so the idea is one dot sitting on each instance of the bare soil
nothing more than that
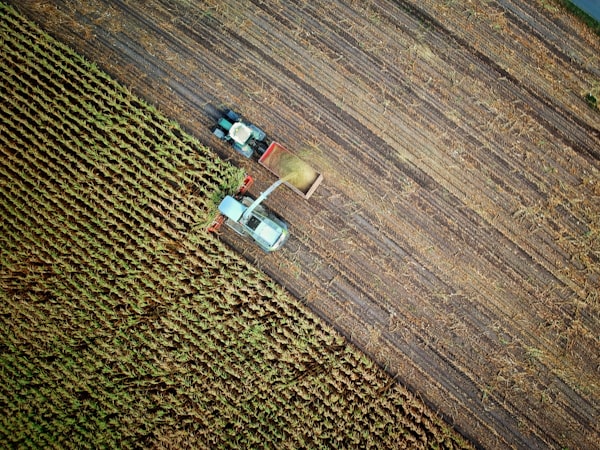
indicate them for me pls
(456, 235)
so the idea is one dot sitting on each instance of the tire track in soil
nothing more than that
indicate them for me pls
(528, 260)
(523, 16)
(549, 115)
(341, 289)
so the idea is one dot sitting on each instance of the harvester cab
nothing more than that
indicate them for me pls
(249, 217)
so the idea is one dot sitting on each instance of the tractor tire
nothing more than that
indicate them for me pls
(232, 115)
(219, 133)
(261, 148)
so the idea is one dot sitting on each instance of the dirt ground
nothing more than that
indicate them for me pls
(455, 237)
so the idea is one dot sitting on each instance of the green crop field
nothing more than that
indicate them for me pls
(123, 324)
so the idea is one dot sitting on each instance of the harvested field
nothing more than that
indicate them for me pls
(456, 235)
(123, 323)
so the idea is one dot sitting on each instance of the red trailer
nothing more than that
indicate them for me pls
(250, 141)
(296, 173)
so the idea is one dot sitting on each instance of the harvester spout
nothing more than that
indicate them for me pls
(262, 197)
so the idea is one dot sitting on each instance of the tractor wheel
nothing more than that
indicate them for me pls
(261, 148)
(232, 115)
(219, 133)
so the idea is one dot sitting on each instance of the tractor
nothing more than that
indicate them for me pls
(245, 138)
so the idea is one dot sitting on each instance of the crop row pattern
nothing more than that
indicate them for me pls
(122, 323)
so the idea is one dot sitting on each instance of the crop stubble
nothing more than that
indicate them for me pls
(456, 234)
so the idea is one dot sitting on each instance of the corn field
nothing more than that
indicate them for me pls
(123, 324)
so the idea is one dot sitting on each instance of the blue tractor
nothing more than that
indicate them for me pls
(244, 137)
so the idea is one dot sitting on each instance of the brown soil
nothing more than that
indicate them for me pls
(455, 237)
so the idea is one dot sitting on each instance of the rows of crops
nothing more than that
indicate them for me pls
(122, 323)
(455, 237)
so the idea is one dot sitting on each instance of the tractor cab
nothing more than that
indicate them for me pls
(240, 132)
(244, 137)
